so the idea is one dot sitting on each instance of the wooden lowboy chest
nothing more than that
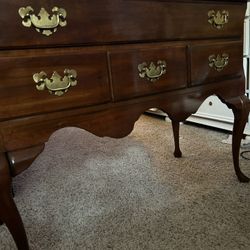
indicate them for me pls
(99, 65)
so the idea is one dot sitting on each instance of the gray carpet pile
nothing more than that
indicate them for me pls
(85, 192)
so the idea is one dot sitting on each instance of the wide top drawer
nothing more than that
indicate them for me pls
(50, 23)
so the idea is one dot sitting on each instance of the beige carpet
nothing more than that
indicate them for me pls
(85, 192)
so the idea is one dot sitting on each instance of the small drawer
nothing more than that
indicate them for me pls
(215, 61)
(41, 81)
(147, 71)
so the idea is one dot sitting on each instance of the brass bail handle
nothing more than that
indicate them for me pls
(152, 72)
(218, 19)
(56, 85)
(43, 22)
(218, 62)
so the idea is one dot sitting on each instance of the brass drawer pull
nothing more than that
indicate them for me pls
(218, 62)
(152, 72)
(43, 22)
(218, 19)
(56, 85)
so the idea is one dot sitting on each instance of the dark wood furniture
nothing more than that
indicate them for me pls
(99, 65)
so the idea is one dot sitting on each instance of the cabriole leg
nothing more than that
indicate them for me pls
(176, 131)
(240, 107)
(9, 214)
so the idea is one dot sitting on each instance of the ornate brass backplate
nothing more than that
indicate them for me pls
(218, 19)
(43, 22)
(152, 72)
(218, 62)
(56, 85)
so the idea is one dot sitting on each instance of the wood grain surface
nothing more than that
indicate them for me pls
(117, 21)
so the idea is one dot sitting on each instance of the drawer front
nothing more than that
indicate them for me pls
(148, 71)
(213, 62)
(111, 21)
(23, 91)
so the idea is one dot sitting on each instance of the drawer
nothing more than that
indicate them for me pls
(23, 91)
(141, 72)
(92, 22)
(216, 61)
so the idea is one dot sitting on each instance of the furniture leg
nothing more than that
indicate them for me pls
(240, 107)
(176, 131)
(8, 210)
(21, 159)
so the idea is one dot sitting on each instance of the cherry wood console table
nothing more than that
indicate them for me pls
(99, 65)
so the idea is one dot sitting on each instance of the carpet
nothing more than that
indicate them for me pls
(85, 192)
